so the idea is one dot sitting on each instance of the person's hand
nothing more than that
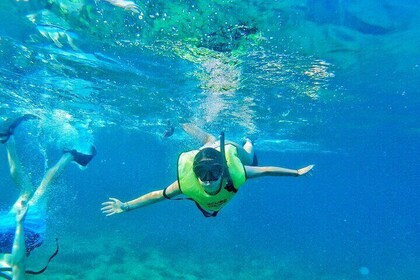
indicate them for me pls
(111, 207)
(305, 170)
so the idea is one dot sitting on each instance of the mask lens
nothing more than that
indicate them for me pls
(209, 172)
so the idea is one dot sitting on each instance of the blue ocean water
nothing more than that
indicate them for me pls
(330, 83)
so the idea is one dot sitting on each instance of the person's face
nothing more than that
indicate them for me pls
(209, 176)
(209, 172)
(211, 187)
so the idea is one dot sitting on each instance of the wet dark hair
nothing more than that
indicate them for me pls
(206, 156)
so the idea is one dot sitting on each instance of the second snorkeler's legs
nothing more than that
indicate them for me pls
(18, 257)
(57, 169)
(49, 176)
(17, 171)
(245, 152)
(205, 138)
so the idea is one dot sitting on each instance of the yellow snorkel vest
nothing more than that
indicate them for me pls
(191, 187)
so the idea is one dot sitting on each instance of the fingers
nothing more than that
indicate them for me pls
(108, 211)
(108, 203)
(305, 170)
(309, 168)
(108, 207)
(110, 214)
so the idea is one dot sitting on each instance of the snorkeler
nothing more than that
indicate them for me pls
(22, 229)
(210, 176)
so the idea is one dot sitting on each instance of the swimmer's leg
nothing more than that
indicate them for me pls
(18, 256)
(199, 134)
(10, 129)
(17, 171)
(57, 169)
(49, 176)
(19, 175)
(249, 148)
(245, 152)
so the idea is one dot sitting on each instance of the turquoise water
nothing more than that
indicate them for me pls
(333, 83)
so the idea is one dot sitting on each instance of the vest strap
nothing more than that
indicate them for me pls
(164, 194)
(230, 187)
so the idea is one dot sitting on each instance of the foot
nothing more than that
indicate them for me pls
(82, 159)
(248, 140)
(169, 130)
(5, 135)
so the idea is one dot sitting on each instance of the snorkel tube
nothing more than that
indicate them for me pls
(226, 173)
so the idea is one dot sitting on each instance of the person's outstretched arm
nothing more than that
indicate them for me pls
(258, 171)
(115, 206)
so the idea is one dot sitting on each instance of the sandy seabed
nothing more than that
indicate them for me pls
(127, 260)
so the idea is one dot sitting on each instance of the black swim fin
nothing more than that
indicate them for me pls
(82, 159)
(5, 135)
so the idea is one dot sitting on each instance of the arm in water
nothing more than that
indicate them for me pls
(115, 206)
